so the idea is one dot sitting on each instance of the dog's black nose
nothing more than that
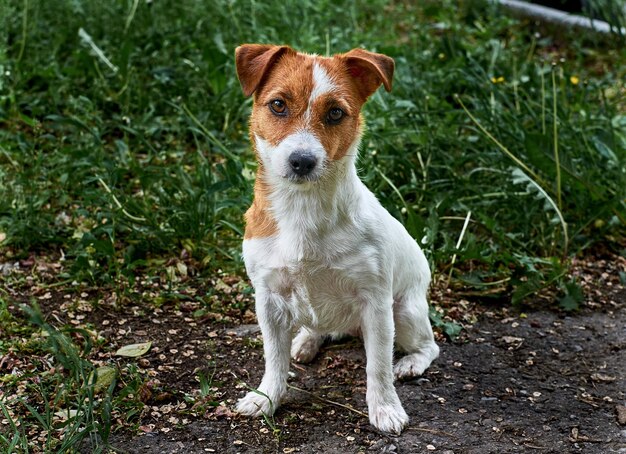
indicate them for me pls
(302, 163)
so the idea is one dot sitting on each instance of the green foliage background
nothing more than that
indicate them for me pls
(123, 132)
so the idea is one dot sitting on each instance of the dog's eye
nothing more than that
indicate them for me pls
(334, 115)
(278, 107)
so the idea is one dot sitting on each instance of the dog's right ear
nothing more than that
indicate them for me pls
(253, 61)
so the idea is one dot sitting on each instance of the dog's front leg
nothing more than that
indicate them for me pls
(276, 331)
(385, 410)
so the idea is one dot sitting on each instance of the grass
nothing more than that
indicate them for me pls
(123, 143)
(67, 409)
(124, 131)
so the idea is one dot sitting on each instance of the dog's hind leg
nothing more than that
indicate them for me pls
(414, 335)
(305, 345)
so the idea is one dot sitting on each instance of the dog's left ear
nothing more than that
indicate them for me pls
(370, 70)
(253, 61)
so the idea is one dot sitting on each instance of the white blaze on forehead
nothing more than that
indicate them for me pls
(322, 84)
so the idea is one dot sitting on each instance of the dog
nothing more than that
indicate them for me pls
(325, 258)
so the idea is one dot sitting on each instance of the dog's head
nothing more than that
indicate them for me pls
(306, 113)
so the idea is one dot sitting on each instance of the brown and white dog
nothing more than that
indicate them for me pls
(324, 256)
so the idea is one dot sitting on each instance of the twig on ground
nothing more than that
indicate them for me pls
(433, 431)
(528, 445)
(347, 407)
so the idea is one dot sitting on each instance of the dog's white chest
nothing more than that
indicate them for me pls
(323, 294)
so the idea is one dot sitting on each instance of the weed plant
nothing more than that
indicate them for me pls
(85, 417)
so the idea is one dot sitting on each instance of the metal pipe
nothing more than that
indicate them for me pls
(555, 16)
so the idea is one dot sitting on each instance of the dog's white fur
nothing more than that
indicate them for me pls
(339, 263)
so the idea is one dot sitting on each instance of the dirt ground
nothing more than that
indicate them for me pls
(512, 382)
(525, 379)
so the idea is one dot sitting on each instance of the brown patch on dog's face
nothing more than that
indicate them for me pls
(290, 84)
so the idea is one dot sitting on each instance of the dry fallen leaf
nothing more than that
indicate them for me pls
(104, 377)
(576, 436)
(621, 414)
(602, 377)
(134, 350)
(224, 411)
(182, 269)
(66, 414)
(512, 340)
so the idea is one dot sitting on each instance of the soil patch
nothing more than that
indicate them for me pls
(542, 380)
(511, 383)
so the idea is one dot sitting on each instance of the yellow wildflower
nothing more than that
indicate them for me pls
(574, 80)
(497, 80)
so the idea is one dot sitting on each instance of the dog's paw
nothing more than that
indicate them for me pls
(255, 404)
(389, 418)
(305, 346)
(415, 364)
(410, 366)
